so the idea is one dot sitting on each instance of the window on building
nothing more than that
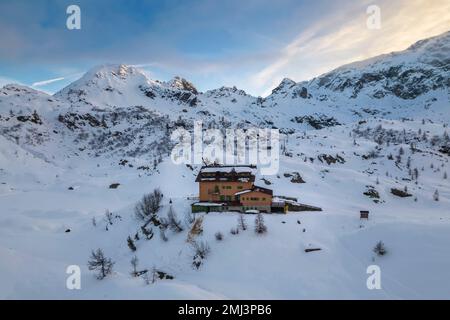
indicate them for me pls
(239, 187)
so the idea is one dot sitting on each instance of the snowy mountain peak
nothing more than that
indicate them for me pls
(112, 70)
(225, 92)
(19, 99)
(14, 89)
(284, 85)
(182, 84)
(104, 86)
(440, 42)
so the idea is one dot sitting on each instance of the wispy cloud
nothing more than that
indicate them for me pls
(252, 45)
(342, 39)
(46, 82)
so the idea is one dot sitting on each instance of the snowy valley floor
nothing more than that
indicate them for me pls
(37, 208)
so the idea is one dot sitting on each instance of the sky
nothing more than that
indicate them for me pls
(251, 44)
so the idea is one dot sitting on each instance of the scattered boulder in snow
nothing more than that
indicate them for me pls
(329, 159)
(372, 193)
(34, 118)
(445, 150)
(317, 121)
(400, 193)
(163, 275)
(114, 185)
(295, 177)
(312, 250)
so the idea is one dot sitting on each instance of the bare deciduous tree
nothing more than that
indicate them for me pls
(131, 244)
(219, 236)
(201, 251)
(134, 264)
(147, 209)
(242, 224)
(173, 221)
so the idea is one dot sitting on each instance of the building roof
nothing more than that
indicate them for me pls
(255, 189)
(227, 173)
(208, 204)
(243, 192)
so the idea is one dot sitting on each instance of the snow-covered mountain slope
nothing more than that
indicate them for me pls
(422, 68)
(353, 135)
(414, 83)
(112, 86)
(410, 84)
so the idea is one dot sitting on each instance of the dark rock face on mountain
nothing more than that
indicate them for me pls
(317, 121)
(183, 84)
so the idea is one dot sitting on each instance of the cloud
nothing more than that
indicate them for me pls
(341, 39)
(46, 82)
(251, 44)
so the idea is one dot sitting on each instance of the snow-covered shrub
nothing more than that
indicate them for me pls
(260, 227)
(436, 195)
(189, 218)
(131, 244)
(219, 236)
(162, 234)
(201, 251)
(148, 233)
(380, 249)
(110, 218)
(150, 277)
(100, 263)
(234, 231)
(196, 229)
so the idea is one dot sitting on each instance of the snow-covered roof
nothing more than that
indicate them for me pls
(284, 200)
(255, 189)
(229, 169)
(242, 192)
(208, 204)
(227, 173)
